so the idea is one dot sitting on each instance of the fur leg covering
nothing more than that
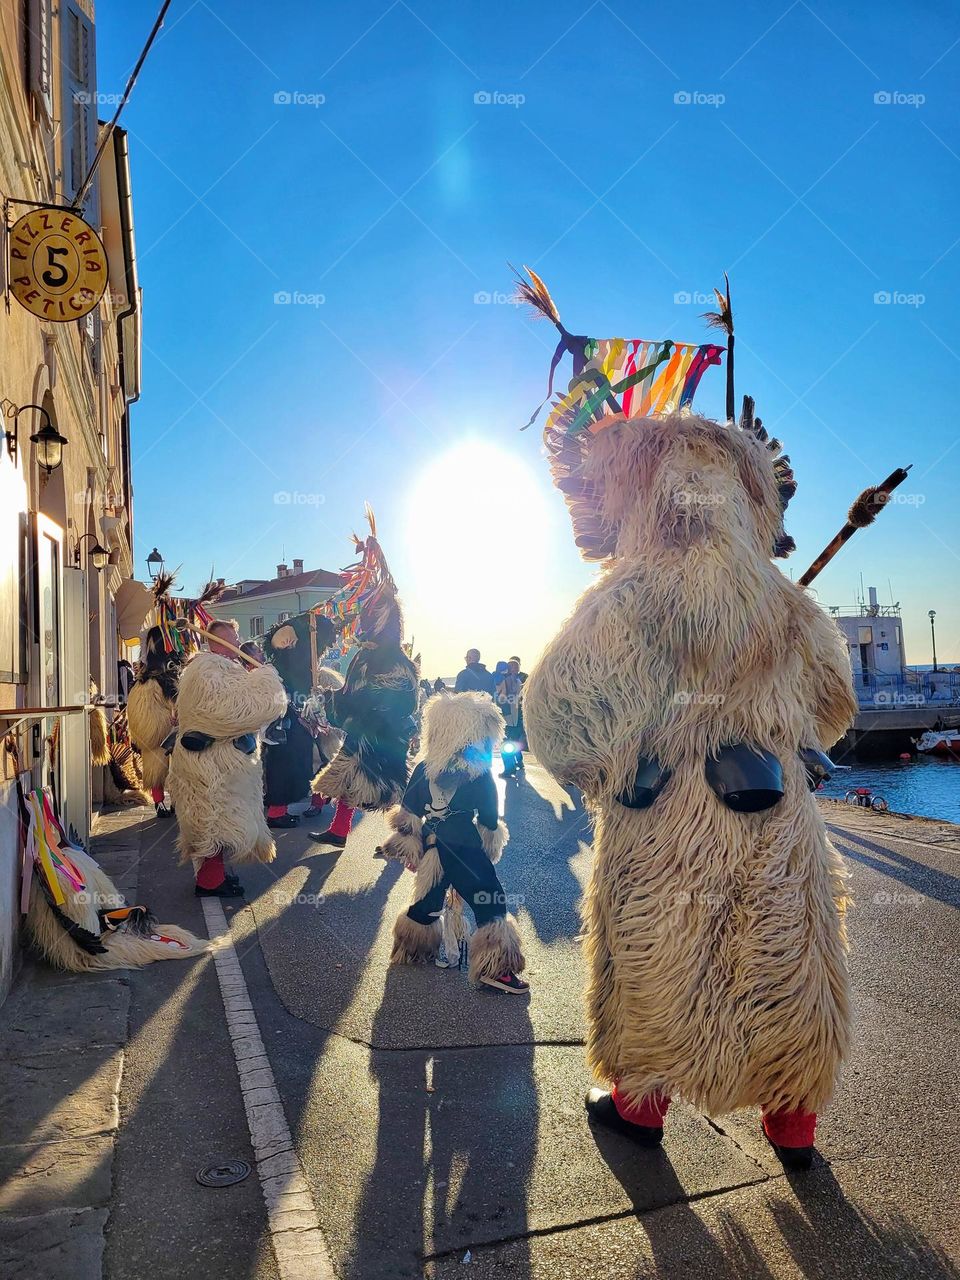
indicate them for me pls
(493, 841)
(413, 941)
(495, 949)
(405, 844)
(358, 780)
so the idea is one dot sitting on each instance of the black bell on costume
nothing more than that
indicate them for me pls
(648, 782)
(746, 779)
(818, 765)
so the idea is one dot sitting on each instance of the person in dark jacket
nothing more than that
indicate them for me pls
(449, 831)
(475, 678)
(288, 754)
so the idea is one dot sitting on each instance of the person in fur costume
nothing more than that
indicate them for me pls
(449, 832)
(293, 647)
(216, 778)
(380, 695)
(152, 712)
(681, 696)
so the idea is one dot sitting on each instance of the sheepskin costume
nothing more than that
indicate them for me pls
(448, 831)
(95, 929)
(374, 709)
(715, 937)
(151, 709)
(218, 788)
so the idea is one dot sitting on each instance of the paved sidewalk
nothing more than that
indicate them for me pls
(438, 1131)
(62, 1041)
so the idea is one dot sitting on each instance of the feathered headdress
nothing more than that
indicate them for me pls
(368, 587)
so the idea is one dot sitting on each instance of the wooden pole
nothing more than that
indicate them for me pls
(863, 512)
(184, 624)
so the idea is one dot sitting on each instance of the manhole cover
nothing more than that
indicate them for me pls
(224, 1174)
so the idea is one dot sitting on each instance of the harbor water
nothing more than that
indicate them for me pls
(926, 786)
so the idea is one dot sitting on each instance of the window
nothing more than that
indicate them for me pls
(256, 628)
(284, 616)
(40, 53)
(79, 103)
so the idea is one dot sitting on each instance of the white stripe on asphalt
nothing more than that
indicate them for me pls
(298, 1243)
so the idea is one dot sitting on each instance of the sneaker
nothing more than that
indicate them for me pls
(602, 1109)
(286, 820)
(228, 889)
(163, 811)
(327, 837)
(508, 982)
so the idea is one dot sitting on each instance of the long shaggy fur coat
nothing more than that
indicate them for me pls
(715, 939)
(128, 947)
(151, 715)
(219, 792)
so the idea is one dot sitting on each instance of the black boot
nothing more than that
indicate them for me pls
(327, 837)
(229, 888)
(793, 1159)
(602, 1109)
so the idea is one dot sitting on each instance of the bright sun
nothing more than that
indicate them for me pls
(478, 535)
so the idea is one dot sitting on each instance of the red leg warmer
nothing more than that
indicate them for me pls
(649, 1111)
(342, 819)
(790, 1128)
(212, 873)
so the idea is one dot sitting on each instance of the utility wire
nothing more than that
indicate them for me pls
(85, 186)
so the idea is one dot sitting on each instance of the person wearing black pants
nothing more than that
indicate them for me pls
(448, 830)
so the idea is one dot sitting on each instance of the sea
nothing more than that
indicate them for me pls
(927, 787)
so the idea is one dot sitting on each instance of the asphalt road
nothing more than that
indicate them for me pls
(439, 1127)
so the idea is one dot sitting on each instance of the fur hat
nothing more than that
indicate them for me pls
(460, 733)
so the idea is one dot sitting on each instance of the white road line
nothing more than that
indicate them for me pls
(298, 1243)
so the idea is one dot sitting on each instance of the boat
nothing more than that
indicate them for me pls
(945, 742)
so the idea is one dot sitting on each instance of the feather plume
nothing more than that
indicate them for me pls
(210, 592)
(723, 317)
(537, 296)
(163, 582)
(371, 518)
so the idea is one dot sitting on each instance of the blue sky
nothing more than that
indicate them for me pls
(385, 200)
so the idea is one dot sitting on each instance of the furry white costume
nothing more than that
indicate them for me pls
(218, 786)
(715, 938)
(152, 711)
(128, 944)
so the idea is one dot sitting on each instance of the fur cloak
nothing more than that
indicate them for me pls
(151, 715)
(374, 710)
(218, 791)
(715, 939)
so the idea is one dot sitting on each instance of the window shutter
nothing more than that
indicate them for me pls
(40, 19)
(78, 57)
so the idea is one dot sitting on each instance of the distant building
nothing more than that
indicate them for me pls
(874, 636)
(257, 604)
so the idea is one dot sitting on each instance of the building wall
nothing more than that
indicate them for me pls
(72, 370)
(269, 609)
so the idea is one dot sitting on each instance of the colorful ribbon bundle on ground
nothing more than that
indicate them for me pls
(363, 583)
(46, 850)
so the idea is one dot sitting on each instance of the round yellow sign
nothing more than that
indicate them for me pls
(58, 265)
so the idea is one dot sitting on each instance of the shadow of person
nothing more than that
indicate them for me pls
(536, 861)
(680, 1238)
(456, 1143)
(893, 1246)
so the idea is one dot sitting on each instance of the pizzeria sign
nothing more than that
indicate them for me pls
(58, 265)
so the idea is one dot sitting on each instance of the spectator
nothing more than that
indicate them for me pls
(439, 686)
(509, 686)
(475, 678)
(521, 674)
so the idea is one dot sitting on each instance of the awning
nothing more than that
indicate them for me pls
(134, 601)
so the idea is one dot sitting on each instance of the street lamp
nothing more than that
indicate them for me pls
(98, 555)
(48, 440)
(933, 636)
(155, 563)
